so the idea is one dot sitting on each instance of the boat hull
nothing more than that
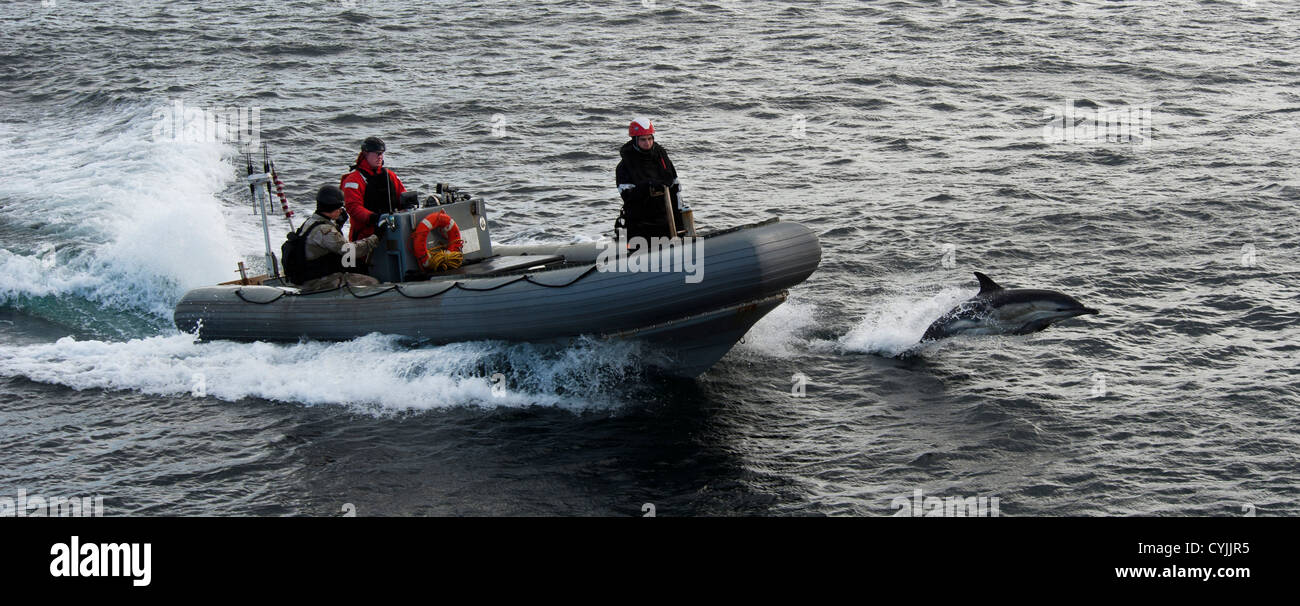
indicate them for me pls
(742, 274)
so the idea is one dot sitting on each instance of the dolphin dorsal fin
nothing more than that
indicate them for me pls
(986, 283)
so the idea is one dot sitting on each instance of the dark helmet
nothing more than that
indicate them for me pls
(372, 144)
(329, 198)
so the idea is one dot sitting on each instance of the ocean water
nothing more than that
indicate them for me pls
(921, 140)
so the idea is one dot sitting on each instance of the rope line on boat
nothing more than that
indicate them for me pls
(345, 285)
(240, 293)
(525, 277)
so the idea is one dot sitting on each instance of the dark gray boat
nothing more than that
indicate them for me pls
(691, 298)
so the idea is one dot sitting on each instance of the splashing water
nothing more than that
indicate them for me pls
(580, 376)
(897, 324)
(111, 217)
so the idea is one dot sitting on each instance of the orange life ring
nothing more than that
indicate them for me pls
(445, 235)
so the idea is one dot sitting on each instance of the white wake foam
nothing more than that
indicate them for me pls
(375, 373)
(104, 212)
(897, 322)
(780, 334)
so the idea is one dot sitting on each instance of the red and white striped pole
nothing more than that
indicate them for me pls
(279, 190)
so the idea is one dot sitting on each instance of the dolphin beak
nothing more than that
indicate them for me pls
(1088, 310)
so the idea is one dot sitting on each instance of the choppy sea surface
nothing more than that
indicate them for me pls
(921, 140)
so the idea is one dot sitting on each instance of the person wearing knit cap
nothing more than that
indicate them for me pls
(370, 190)
(331, 259)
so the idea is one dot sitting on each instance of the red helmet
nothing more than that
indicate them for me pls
(640, 126)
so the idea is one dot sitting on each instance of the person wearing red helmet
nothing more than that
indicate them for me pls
(370, 190)
(642, 175)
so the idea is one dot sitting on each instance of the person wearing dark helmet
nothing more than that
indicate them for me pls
(642, 176)
(331, 260)
(370, 190)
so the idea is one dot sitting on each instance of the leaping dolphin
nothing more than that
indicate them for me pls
(996, 310)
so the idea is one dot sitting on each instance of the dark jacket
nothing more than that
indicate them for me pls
(636, 174)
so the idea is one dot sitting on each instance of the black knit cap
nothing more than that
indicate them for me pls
(329, 198)
(372, 144)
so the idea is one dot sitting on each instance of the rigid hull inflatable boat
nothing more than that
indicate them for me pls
(691, 299)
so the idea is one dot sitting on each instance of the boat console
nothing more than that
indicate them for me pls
(394, 260)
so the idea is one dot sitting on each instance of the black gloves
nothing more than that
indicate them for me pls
(382, 224)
